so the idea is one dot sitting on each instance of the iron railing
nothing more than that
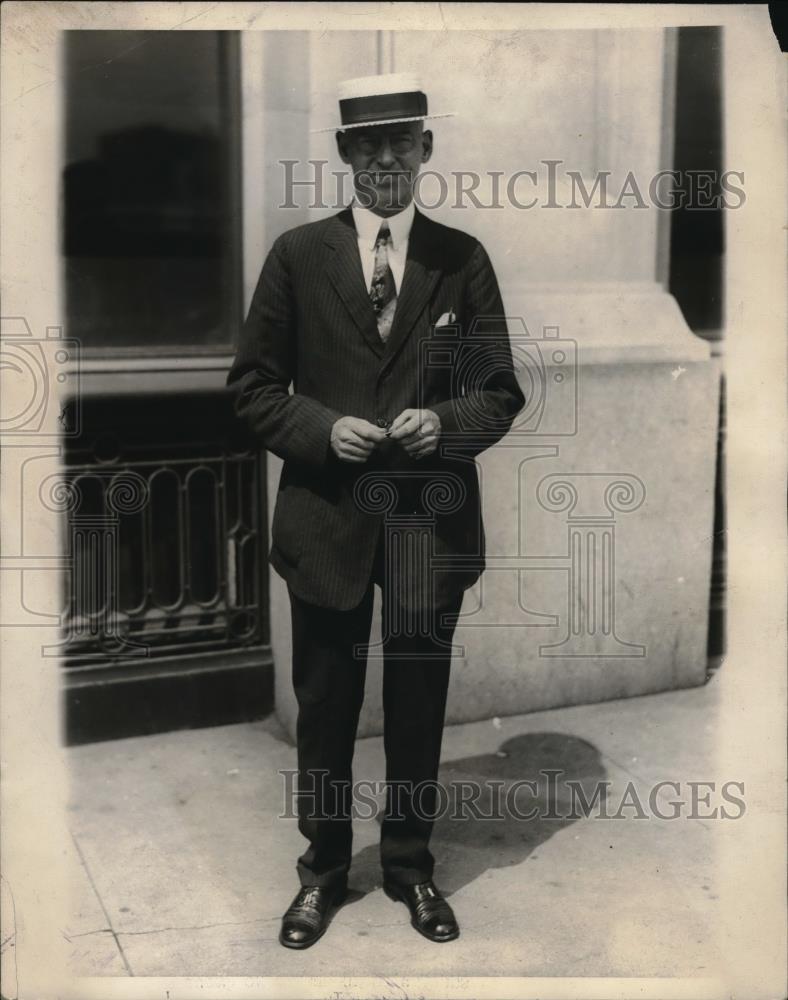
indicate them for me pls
(163, 557)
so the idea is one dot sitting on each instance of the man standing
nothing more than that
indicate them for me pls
(346, 311)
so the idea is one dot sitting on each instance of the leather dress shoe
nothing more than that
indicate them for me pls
(306, 919)
(430, 914)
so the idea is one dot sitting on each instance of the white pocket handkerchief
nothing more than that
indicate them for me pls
(446, 319)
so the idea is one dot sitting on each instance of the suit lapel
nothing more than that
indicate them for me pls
(346, 275)
(422, 271)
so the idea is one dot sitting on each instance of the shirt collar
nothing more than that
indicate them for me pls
(368, 225)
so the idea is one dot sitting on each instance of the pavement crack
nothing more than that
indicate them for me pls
(73, 937)
(101, 904)
(201, 927)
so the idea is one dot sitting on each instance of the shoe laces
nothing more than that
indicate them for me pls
(310, 895)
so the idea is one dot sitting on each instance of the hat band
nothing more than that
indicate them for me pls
(357, 110)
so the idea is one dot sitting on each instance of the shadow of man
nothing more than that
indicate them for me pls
(496, 809)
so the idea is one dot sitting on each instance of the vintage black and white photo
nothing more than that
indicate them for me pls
(391, 500)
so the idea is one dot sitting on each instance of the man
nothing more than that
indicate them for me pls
(374, 434)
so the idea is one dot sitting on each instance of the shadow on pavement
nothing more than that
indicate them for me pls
(465, 848)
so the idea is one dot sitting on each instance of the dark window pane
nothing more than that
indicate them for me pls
(149, 237)
(698, 236)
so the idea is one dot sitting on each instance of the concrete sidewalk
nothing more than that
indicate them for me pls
(181, 866)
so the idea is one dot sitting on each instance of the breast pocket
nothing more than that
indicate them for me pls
(440, 356)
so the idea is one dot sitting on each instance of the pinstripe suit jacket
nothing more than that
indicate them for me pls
(311, 326)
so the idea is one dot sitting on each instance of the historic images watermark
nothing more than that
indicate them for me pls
(102, 584)
(550, 186)
(38, 366)
(41, 411)
(96, 502)
(468, 359)
(551, 795)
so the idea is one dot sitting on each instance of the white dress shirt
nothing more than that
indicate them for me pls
(368, 226)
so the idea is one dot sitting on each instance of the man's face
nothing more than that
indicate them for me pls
(385, 160)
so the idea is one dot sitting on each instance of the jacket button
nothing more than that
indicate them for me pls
(382, 422)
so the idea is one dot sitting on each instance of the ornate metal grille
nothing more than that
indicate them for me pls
(164, 557)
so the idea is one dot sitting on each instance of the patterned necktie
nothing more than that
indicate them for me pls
(383, 291)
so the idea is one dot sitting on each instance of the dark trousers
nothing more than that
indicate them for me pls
(328, 678)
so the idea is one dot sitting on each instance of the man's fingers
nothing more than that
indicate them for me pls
(369, 432)
(422, 447)
(404, 425)
(415, 437)
(349, 438)
(404, 418)
(357, 452)
(400, 420)
(352, 437)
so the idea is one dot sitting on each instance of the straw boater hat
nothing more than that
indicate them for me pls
(381, 100)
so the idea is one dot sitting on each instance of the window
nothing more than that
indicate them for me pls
(698, 237)
(151, 188)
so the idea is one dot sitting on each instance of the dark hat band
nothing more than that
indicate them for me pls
(358, 110)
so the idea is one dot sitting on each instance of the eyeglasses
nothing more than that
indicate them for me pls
(370, 144)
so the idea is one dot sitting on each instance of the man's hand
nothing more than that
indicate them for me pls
(353, 439)
(418, 431)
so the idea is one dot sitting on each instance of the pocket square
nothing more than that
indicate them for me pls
(446, 319)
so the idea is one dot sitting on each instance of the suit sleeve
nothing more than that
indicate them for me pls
(291, 425)
(486, 397)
